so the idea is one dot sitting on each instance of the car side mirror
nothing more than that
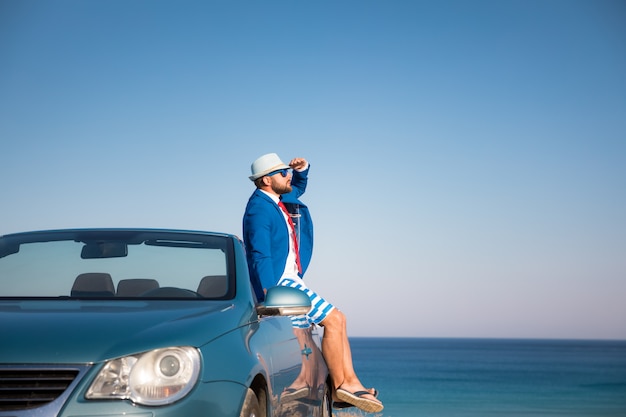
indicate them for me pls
(284, 301)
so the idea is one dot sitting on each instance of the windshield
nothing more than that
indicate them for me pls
(117, 264)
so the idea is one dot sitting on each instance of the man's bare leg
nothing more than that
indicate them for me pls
(338, 356)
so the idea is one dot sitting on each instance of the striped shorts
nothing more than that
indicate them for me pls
(320, 308)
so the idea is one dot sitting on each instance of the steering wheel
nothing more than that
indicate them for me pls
(170, 292)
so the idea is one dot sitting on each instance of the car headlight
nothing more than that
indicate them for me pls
(157, 377)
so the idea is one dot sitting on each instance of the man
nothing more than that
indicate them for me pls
(278, 255)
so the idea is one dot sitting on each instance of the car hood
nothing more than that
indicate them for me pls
(76, 331)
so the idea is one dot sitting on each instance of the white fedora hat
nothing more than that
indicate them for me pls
(265, 164)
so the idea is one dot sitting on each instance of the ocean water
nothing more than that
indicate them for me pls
(493, 377)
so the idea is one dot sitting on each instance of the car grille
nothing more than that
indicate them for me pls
(26, 388)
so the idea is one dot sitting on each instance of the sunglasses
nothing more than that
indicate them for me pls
(284, 172)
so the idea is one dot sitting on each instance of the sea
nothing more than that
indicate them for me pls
(492, 377)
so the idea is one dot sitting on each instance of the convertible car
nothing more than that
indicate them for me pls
(149, 323)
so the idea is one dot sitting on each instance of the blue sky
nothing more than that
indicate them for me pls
(468, 174)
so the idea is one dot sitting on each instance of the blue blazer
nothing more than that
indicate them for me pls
(266, 236)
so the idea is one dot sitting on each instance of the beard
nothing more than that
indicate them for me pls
(281, 188)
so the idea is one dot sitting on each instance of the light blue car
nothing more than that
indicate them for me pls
(149, 323)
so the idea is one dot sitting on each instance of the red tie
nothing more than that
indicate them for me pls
(293, 234)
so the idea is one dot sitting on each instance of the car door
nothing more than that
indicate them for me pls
(298, 372)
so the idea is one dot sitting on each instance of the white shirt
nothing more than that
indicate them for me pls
(291, 266)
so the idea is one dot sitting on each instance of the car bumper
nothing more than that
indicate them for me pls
(215, 399)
